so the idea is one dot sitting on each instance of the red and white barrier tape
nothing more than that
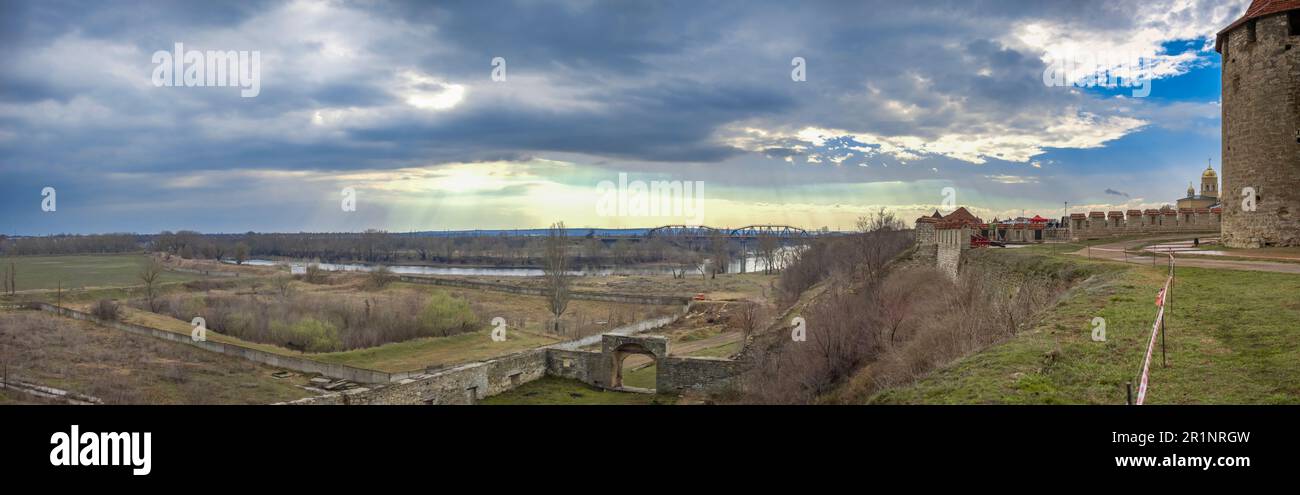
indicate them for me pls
(1151, 346)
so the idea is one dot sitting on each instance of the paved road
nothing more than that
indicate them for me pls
(1115, 252)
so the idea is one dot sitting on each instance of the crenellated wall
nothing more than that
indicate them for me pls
(1098, 224)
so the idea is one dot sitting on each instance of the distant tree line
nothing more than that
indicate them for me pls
(72, 244)
(707, 257)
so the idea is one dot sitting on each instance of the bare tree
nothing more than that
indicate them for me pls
(688, 260)
(10, 279)
(150, 273)
(719, 253)
(876, 232)
(556, 272)
(768, 245)
(748, 318)
(423, 246)
(881, 220)
(241, 253)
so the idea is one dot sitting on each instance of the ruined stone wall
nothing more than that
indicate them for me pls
(673, 374)
(1261, 134)
(676, 375)
(459, 385)
(584, 366)
(468, 383)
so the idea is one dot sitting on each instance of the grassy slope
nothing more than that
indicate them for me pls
(76, 271)
(124, 368)
(1232, 338)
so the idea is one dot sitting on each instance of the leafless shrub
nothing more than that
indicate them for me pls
(327, 322)
(314, 274)
(863, 255)
(106, 309)
(175, 373)
(380, 277)
(283, 285)
(208, 284)
(841, 336)
(892, 332)
(748, 318)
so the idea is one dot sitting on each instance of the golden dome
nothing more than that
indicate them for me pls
(1209, 172)
(1191, 191)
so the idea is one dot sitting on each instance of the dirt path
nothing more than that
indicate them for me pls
(684, 348)
(1115, 252)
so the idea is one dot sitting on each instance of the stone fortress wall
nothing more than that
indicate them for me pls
(1099, 224)
(1261, 126)
(467, 383)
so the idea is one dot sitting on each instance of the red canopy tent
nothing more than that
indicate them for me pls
(1038, 219)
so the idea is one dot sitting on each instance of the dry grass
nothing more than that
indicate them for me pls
(122, 368)
(320, 322)
(530, 313)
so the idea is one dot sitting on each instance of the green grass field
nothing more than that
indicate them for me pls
(560, 391)
(82, 271)
(1233, 337)
(419, 353)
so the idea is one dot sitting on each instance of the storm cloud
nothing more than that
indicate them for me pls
(901, 92)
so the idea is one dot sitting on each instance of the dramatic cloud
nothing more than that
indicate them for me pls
(900, 99)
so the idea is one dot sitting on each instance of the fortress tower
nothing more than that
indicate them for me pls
(1261, 125)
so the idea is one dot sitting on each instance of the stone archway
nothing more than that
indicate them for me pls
(620, 357)
(617, 348)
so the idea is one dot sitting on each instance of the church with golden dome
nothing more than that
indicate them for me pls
(1209, 196)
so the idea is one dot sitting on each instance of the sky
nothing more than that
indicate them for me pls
(518, 114)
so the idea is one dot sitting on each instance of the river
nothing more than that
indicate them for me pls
(752, 264)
